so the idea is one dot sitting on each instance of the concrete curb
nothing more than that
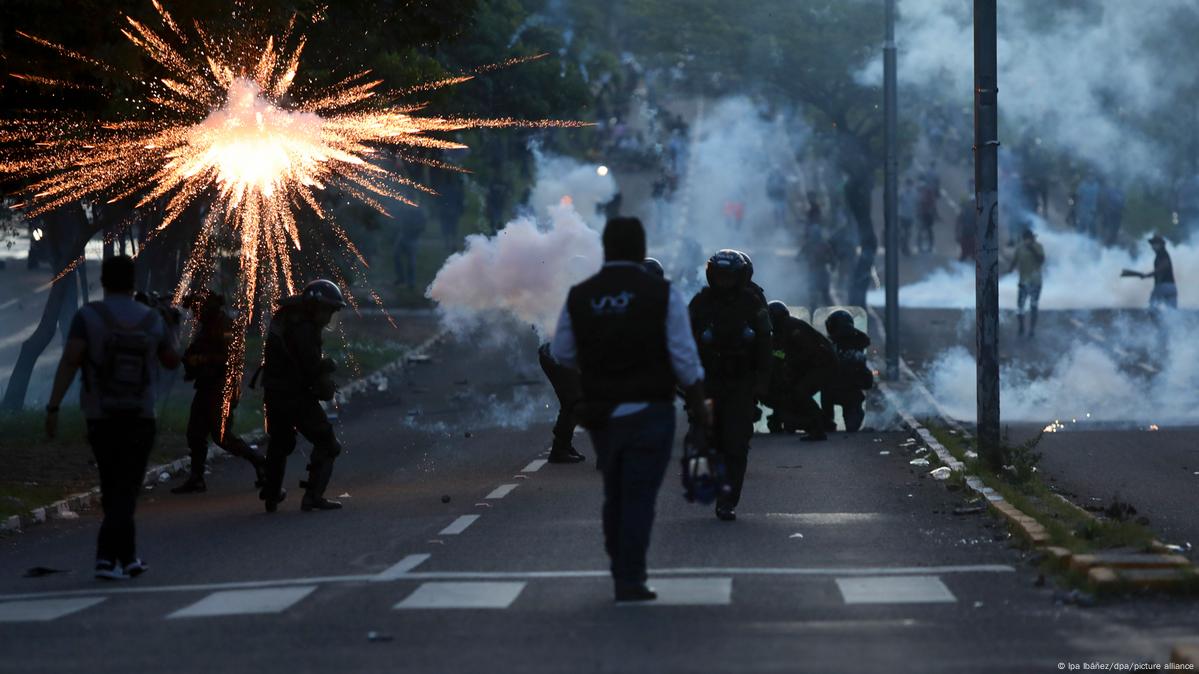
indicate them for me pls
(67, 508)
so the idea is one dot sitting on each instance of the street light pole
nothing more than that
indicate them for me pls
(890, 196)
(986, 199)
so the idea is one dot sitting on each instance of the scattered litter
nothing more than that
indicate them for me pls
(918, 462)
(884, 453)
(969, 510)
(795, 536)
(68, 515)
(952, 432)
(345, 495)
(253, 446)
(908, 443)
(164, 476)
(482, 505)
(878, 440)
(419, 358)
(922, 450)
(436, 541)
(978, 604)
(520, 477)
(1074, 597)
(1179, 549)
(445, 498)
(971, 454)
(468, 434)
(941, 473)
(39, 571)
(377, 636)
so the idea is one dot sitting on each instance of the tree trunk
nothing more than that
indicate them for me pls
(32, 348)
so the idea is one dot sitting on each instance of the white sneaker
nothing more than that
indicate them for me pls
(136, 568)
(109, 570)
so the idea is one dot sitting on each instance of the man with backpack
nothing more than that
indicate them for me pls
(732, 331)
(120, 345)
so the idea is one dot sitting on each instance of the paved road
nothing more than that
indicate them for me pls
(843, 559)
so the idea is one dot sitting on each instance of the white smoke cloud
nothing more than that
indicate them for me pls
(1074, 75)
(1080, 273)
(562, 178)
(523, 272)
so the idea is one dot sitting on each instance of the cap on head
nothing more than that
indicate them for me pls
(838, 323)
(624, 240)
(726, 270)
(778, 312)
(117, 274)
(324, 292)
(1157, 240)
(654, 267)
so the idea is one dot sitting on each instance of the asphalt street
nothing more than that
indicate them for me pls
(460, 550)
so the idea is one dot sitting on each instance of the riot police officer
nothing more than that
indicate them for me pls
(732, 330)
(804, 361)
(852, 377)
(296, 377)
(205, 363)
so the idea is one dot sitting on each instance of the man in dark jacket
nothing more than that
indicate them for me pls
(804, 362)
(732, 330)
(205, 363)
(628, 333)
(565, 381)
(296, 378)
(852, 376)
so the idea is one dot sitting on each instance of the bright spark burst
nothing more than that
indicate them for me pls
(233, 132)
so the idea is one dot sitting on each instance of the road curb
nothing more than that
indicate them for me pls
(67, 508)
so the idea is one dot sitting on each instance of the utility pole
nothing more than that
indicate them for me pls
(890, 196)
(986, 255)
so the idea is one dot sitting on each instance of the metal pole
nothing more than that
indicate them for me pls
(890, 195)
(986, 258)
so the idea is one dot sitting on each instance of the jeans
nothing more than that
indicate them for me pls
(634, 452)
(122, 448)
(206, 420)
(1030, 293)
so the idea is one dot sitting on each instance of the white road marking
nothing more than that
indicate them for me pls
(502, 491)
(534, 466)
(462, 595)
(895, 590)
(245, 602)
(400, 568)
(459, 525)
(42, 610)
(828, 518)
(522, 575)
(690, 592)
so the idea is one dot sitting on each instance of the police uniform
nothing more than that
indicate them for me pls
(852, 377)
(804, 361)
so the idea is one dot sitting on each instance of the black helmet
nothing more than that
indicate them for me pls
(749, 266)
(324, 291)
(726, 270)
(838, 323)
(654, 267)
(778, 312)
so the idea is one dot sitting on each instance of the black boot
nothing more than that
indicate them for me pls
(564, 453)
(272, 501)
(319, 473)
(194, 485)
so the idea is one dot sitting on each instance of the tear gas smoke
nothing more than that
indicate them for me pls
(1079, 273)
(1074, 74)
(582, 185)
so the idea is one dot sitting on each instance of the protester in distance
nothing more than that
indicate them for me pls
(852, 377)
(627, 331)
(732, 330)
(205, 362)
(120, 344)
(296, 377)
(1165, 292)
(804, 362)
(568, 390)
(1028, 261)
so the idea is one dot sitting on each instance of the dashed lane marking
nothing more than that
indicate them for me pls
(41, 610)
(397, 570)
(245, 602)
(895, 590)
(459, 525)
(817, 519)
(534, 466)
(462, 595)
(843, 572)
(501, 491)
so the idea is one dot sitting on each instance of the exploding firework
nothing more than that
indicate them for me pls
(227, 129)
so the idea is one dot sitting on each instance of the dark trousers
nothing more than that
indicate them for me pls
(634, 452)
(736, 408)
(851, 408)
(569, 392)
(207, 420)
(287, 416)
(122, 448)
(794, 406)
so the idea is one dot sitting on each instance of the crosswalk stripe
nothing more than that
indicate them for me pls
(534, 466)
(459, 525)
(894, 590)
(690, 592)
(245, 602)
(463, 595)
(42, 610)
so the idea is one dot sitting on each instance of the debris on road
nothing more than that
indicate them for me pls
(918, 462)
(377, 636)
(345, 495)
(884, 452)
(969, 510)
(1074, 597)
(795, 536)
(419, 358)
(164, 476)
(941, 473)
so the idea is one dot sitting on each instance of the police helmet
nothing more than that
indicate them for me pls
(778, 312)
(838, 323)
(654, 267)
(749, 266)
(704, 475)
(726, 270)
(324, 292)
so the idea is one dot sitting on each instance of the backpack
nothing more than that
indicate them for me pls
(726, 335)
(123, 374)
